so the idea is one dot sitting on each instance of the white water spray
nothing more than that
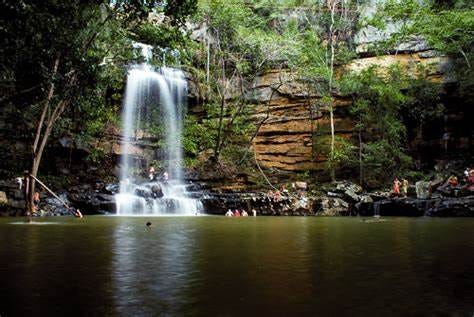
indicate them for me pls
(157, 96)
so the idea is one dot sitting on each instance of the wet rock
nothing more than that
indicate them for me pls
(156, 191)
(414, 207)
(452, 207)
(366, 199)
(346, 190)
(328, 206)
(348, 186)
(51, 206)
(112, 188)
(93, 202)
(376, 196)
(219, 203)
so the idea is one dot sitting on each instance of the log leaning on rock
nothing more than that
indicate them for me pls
(52, 193)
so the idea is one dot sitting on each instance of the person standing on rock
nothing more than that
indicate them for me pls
(470, 181)
(151, 173)
(404, 187)
(396, 187)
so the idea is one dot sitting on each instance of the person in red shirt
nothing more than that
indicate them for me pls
(396, 187)
(453, 181)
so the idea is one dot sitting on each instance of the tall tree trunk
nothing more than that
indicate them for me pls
(41, 137)
(331, 75)
(221, 113)
(30, 185)
(361, 167)
(39, 154)
(40, 142)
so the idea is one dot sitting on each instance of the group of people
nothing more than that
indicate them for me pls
(240, 213)
(277, 195)
(449, 186)
(400, 188)
(152, 175)
(453, 185)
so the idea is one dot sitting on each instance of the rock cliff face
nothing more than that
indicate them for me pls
(289, 125)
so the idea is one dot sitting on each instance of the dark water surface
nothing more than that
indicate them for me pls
(217, 266)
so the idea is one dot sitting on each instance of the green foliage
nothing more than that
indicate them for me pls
(239, 44)
(197, 137)
(91, 41)
(378, 100)
(343, 154)
(96, 155)
(448, 30)
(423, 102)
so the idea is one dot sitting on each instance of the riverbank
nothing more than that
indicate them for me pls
(339, 199)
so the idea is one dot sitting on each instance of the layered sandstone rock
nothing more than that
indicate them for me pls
(290, 123)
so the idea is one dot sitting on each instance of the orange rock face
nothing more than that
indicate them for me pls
(291, 125)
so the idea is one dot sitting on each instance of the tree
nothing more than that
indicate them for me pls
(234, 55)
(52, 53)
(377, 100)
(325, 43)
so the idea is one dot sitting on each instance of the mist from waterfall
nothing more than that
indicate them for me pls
(154, 98)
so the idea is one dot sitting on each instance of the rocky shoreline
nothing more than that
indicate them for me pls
(342, 199)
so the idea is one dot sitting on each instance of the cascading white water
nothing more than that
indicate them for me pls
(147, 93)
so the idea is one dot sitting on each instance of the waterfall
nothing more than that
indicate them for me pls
(154, 98)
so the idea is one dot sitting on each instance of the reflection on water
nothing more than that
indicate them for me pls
(152, 267)
(229, 267)
(33, 223)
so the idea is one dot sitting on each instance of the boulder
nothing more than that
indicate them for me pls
(112, 188)
(3, 198)
(414, 207)
(328, 206)
(93, 202)
(348, 191)
(348, 186)
(16, 204)
(452, 207)
(219, 203)
(366, 199)
(301, 185)
(53, 207)
(422, 189)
